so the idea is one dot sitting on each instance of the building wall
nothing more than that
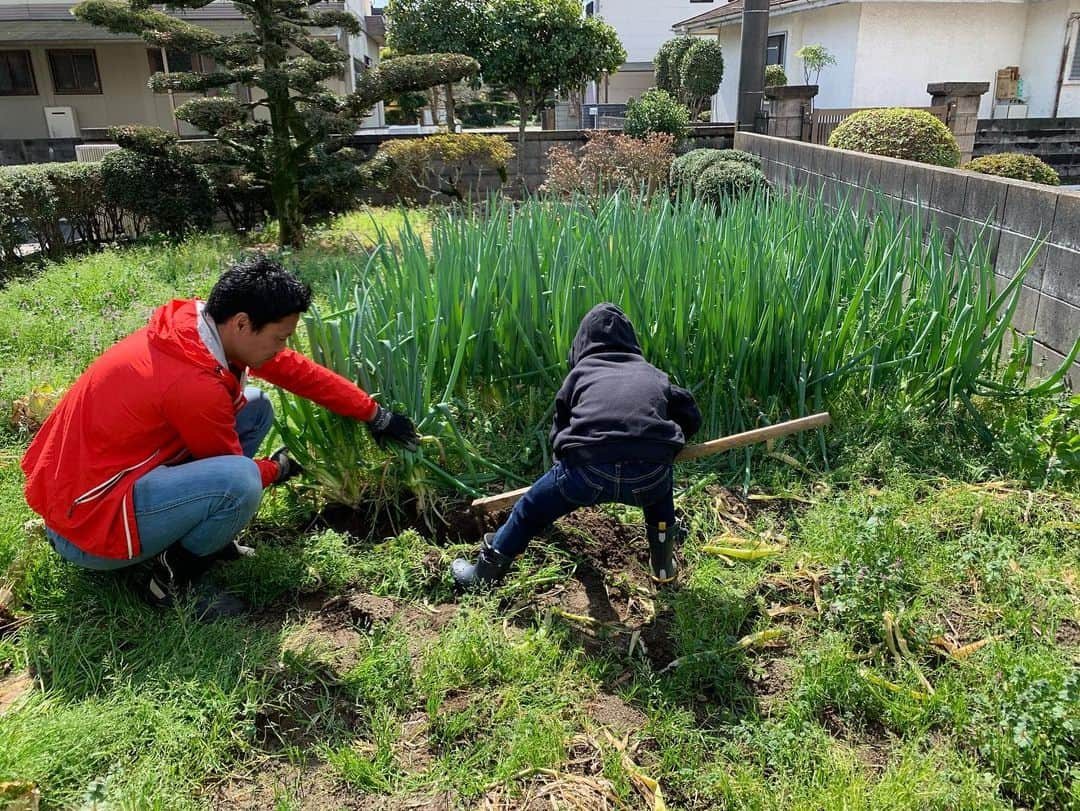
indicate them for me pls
(123, 69)
(1009, 217)
(875, 44)
(626, 84)
(1040, 58)
(643, 25)
(902, 47)
(835, 27)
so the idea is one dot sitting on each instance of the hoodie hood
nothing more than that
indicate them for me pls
(604, 329)
(179, 329)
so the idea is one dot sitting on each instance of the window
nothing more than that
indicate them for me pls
(590, 9)
(774, 49)
(16, 74)
(179, 62)
(74, 71)
(1074, 69)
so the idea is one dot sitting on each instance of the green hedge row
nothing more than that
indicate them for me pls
(129, 193)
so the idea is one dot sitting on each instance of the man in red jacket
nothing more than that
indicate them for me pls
(148, 458)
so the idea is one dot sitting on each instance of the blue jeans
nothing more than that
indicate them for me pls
(202, 505)
(563, 489)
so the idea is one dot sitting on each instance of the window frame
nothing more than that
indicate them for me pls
(29, 64)
(782, 36)
(1073, 74)
(51, 53)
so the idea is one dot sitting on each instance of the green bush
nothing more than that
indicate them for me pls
(440, 164)
(913, 135)
(1016, 166)
(486, 113)
(685, 169)
(167, 193)
(775, 75)
(241, 196)
(55, 205)
(655, 111)
(147, 140)
(728, 179)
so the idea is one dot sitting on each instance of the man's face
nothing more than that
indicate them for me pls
(246, 346)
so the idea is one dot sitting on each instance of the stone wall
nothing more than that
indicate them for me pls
(1055, 140)
(1013, 216)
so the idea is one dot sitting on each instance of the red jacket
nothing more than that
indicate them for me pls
(157, 397)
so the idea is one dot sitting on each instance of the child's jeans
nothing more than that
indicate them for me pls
(563, 489)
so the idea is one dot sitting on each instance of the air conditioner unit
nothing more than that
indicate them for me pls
(61, 122)
(91, 153)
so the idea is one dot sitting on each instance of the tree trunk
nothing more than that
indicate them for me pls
(284, 173)
(285, 189)
(448, 91)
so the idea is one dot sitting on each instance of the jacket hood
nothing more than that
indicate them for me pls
(604, 329)
(174, 328)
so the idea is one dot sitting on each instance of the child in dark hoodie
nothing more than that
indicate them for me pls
(619, 422)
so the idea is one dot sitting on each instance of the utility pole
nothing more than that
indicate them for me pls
(755, 35)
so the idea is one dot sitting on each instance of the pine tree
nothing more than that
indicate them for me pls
(292, 133)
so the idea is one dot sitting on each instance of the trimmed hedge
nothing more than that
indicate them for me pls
(898, 132)
(727, 179)
(55, 205)
(685, 169)
(162, 192)
(1016, 166)
(655, 111)
(425, 168)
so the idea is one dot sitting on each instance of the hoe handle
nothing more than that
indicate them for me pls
(726, 443)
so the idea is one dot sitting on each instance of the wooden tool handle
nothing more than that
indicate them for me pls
(492, 503)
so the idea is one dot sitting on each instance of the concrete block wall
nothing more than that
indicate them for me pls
(1010, 216)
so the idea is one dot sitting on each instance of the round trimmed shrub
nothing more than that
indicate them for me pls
(775, 75)
(728, 179)
(685, 169)
(1016, 166)
(655, 111)
(898, 132)
(166, 192)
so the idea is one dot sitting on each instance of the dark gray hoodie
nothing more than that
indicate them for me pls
(615, 406)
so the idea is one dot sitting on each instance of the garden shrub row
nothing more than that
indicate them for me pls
(147, 185)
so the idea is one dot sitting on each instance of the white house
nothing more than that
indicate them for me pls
(60, 77)
(887, 51)
(642, 28)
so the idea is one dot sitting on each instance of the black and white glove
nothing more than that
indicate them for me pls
(288, 468)
(389, 425)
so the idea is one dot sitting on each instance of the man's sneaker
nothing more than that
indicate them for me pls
(163, 584)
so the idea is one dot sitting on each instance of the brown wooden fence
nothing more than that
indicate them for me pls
(823, 121)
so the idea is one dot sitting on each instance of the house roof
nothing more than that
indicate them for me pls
(728, 12)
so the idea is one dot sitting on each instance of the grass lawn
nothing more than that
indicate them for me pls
(910, 640)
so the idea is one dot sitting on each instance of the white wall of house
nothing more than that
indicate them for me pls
(644, 26)
(1040, 60)
(887, 52)
(902, 47)
(835, 27)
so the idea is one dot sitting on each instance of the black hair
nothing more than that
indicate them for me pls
(261, 288)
